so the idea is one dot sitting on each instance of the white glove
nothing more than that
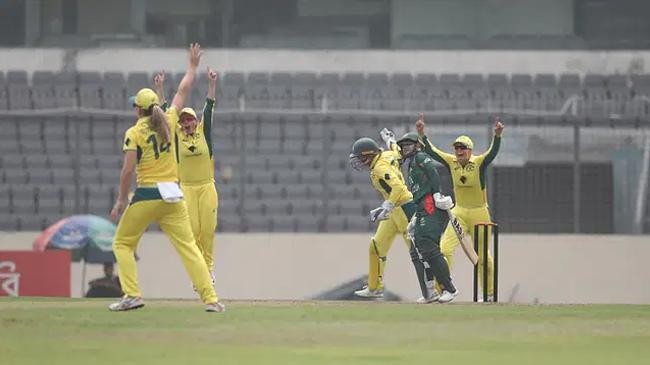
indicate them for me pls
(410, 228)
(381, 213)
(387, 136)
(442, 201)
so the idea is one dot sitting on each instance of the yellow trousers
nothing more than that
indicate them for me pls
(174, 221)
(202, 204)
(381, 243)
(468, 218)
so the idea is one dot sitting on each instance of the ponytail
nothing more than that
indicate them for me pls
(158, 123)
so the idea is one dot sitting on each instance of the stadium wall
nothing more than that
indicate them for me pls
(533, 268)
(174, 60)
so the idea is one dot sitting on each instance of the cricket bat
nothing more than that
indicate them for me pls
(464, 238)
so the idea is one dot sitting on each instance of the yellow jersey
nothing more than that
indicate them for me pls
(194, 152)
(156, 161)
(387, 179)
(469, 181)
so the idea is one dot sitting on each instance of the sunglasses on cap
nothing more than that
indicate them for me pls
(460, 147)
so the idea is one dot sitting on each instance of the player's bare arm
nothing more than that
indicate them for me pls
(213, 79)
(186, 83)
(159, 84)
(126, 177)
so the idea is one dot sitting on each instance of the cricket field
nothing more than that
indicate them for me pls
(68, 331)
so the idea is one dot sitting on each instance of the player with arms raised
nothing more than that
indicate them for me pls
(193, 142)
(468, 175)
(149, 151)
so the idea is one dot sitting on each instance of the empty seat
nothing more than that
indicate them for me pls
(257, 92)
(113, 91)
(89, 89)
(18, 90)
(280, 91)
(65, 89)
(303, 86)
(43, 90)
(136, 81)
(231, 87)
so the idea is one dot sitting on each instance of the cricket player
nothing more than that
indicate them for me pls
(194, 152)
(430, 219)
(393, 215)
(149, 150)
(468, 175)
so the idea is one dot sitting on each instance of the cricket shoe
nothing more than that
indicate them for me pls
(447, 296)
(490, 299)
(433, 297)
(216, 307)
(367, 293)
(127, 303)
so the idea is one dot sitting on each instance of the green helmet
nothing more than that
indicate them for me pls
(363, 148)
(410, 138)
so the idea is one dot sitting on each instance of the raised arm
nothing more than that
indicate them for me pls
(209, 107)
(159, 84)
(429, 148)
(186, 83)
(213, 78)
(491, 153)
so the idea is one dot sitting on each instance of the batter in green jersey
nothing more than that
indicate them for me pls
(431, 217)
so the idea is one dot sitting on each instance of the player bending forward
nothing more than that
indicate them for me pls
(431, 217)
(393, 215)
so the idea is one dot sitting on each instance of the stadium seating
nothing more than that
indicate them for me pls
(283, 167)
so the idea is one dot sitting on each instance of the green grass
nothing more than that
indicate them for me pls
(71, 332)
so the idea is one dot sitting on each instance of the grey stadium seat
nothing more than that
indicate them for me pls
(257, 92)
(89, 89)
(113, 92)
(280, 91)
(43, 90)
(19, 92)
(65, 89)
(303, 87)
(230, 89)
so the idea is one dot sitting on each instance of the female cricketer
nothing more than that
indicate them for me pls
(193, 142)
(149, 150)
(393, 215)
(468, 175)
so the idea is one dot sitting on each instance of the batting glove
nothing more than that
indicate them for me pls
(381, 213)
(442, 201)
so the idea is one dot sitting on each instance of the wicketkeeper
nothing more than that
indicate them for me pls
(393, 215)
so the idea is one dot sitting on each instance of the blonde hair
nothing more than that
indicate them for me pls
(158, 123)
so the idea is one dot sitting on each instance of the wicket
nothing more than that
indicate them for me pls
(495, 241)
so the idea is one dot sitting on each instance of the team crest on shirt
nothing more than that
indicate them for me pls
(469, 167)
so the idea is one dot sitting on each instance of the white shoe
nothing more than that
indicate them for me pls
(367, 293)
(434, 297)
(126, 303)
(490, 299)
(447, 297)
(215, 307)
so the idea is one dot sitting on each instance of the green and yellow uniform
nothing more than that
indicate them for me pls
(386, 177)
(156, 163)
(469, 184)
(196, 172)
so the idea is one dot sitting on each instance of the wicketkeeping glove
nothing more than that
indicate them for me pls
(442, 201)
(387, 136)
(381, 213)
